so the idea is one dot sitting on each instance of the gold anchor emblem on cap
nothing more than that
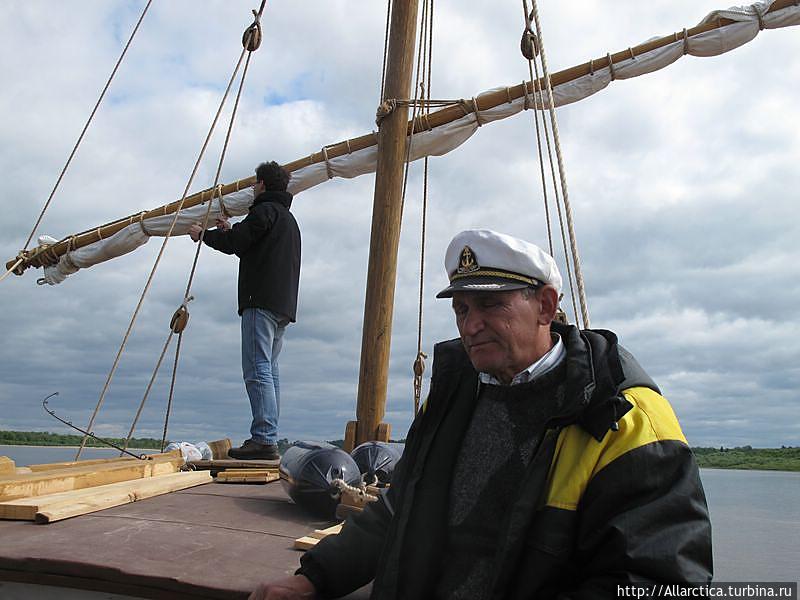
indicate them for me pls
(467, 263)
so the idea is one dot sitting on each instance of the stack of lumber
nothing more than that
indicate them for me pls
(247, 476)
(229, 470)
(309, 541)
(57, 491)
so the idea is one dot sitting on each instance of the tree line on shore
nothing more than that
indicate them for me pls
(785, 458)
(44, 438)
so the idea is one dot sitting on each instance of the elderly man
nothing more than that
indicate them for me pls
(544, 463)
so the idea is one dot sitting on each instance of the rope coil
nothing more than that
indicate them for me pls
(342, 486)
(384, 110)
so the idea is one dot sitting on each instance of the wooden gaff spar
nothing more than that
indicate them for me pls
(719, 32)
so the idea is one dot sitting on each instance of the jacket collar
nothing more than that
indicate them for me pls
(282, 198)
(593, 376)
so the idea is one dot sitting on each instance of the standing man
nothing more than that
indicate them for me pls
(544, 464)
(267, 242)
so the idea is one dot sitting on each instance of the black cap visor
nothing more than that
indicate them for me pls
(482, 284)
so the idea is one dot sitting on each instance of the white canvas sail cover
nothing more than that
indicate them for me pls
(748, 21)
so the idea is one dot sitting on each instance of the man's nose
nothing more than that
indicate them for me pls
(472, 323)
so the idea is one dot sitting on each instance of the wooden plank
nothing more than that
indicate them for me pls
(230, 463)
(79, 477)
(76, 463)
(230, 472)
(305, 543)
(142, 489)
(321, 533)
(102, 461)
(248, 476)
(59, 506)
(7, 466)
(309, 541)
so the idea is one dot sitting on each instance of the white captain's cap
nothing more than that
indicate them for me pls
(482, 260)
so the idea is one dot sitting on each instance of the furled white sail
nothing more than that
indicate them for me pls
(747, 22)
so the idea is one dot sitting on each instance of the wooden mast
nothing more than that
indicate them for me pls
(385, 234)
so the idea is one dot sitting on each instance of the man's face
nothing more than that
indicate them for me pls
(500, 330)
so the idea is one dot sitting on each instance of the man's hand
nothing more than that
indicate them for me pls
(296, 587)
(223, 224)
(195, 231)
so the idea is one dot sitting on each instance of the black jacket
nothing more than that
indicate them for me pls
(611, 497)
(267, 242)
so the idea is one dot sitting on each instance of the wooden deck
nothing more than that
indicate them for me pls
(211, 541)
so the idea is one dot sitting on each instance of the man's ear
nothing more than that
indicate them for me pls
(548, 299)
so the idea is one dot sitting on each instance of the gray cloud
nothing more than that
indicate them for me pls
(683, 185)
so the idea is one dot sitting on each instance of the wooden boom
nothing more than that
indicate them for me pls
(49, 254)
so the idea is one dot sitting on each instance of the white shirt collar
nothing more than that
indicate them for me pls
(537, 369)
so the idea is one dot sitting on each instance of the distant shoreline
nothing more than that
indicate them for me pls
(67, 446)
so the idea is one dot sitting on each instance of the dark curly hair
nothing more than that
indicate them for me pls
(274, 176)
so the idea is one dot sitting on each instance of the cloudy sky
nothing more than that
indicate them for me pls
(683, 183)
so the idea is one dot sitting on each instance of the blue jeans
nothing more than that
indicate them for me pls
(262, 338)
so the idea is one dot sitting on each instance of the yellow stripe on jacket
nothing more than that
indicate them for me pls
(579, 457)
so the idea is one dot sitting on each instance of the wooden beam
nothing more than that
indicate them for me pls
(101, 461)
(55, 507)
(248, 476)
(79, 477)
(7, 466)
(230, 463)
(309, 541)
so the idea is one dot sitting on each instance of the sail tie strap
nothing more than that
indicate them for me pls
(611, 67)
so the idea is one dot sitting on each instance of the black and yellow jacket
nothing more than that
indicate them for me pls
(611, 497)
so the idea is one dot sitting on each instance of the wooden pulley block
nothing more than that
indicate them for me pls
(180, 319)
(251, 38)
(529, 45)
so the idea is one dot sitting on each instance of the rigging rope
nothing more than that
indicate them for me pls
(80, 139)
(538, 101)
(561, 170)
(426, 51)
(164, 244)
(251, 41)
(385, 49)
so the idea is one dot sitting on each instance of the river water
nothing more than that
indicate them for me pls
(755, 515)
